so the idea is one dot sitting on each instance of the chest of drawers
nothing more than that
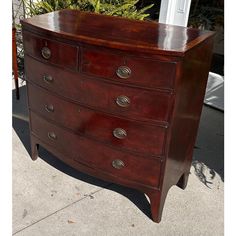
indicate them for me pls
(116, 98)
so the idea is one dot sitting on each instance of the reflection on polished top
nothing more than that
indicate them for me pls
(118, 32)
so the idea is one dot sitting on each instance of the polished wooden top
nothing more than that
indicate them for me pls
(118, 32)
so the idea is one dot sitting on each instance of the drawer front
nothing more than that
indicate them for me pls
(130, 70)
(96, 155)
(50, 51)
(121, 133)
(123, 101)
(63, 82)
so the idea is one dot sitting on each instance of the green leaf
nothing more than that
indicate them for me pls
(124, 8)
(97, 6)
(146, 8)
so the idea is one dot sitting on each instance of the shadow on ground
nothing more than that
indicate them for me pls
(21, 127)
(208, 156)
(202, 156)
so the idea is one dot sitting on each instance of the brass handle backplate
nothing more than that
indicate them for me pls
(119, 133)
(123, 101)
(52, 136)
(49, 108)
(118, 164)
(48, 79)
(123, 72)
(46, 52)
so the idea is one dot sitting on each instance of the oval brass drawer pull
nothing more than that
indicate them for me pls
(52, 136)
(123, 72)
(123, 101)
(119, 133)
(49, 108)
(46, 53)
(48, 79)
(118, 164)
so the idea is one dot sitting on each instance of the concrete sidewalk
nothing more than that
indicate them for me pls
(50, 198)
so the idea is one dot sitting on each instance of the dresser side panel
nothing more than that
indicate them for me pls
(191, 80)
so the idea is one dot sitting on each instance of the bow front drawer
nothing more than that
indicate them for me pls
(128, 102)
(120, 133)
(51, 51)
(97, 155)
(126, 69)
(141, 104)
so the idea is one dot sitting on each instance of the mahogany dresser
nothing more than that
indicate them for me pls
(115, 98)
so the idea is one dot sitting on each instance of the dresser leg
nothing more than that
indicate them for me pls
(34, 150)
(182, 183)
(156, 205)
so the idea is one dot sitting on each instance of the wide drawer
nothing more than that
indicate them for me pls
(121, 100)
(50, 51)
(121, 133)
(96, 155)
(132, 70)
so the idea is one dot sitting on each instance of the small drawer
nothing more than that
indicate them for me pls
(120, 133)
(121, 100)
(97, 155)
(50, 51)
(131, 70)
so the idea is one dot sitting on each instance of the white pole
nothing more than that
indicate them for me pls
(175, 12)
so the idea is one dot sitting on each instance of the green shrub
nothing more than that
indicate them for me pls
(124, 8)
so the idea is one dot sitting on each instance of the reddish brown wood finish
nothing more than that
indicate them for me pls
(191, 81)
(61, 54)
(81, 149)
(101, 63)
(117, 32)
(144, 104)
(169, 69)
(144, 138)
(14, 63)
